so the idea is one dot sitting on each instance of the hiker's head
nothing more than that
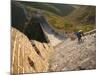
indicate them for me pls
(80, 31)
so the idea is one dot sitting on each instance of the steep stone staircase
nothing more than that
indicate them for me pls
(70, 55)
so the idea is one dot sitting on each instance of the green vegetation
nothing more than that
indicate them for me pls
(54, 20)
(85, 28)
(59, 9)
(80, 17)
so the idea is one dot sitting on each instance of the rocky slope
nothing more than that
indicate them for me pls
(73, 56)
(28, 57)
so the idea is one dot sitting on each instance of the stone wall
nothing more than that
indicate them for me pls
(28, 56)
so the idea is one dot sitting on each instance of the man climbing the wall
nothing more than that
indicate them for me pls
(79, 35)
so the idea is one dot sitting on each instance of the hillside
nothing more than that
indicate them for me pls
(82, 18)
(65, 9)
(77, 17)
(21, 13)
(83, 14)
(59, 9)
